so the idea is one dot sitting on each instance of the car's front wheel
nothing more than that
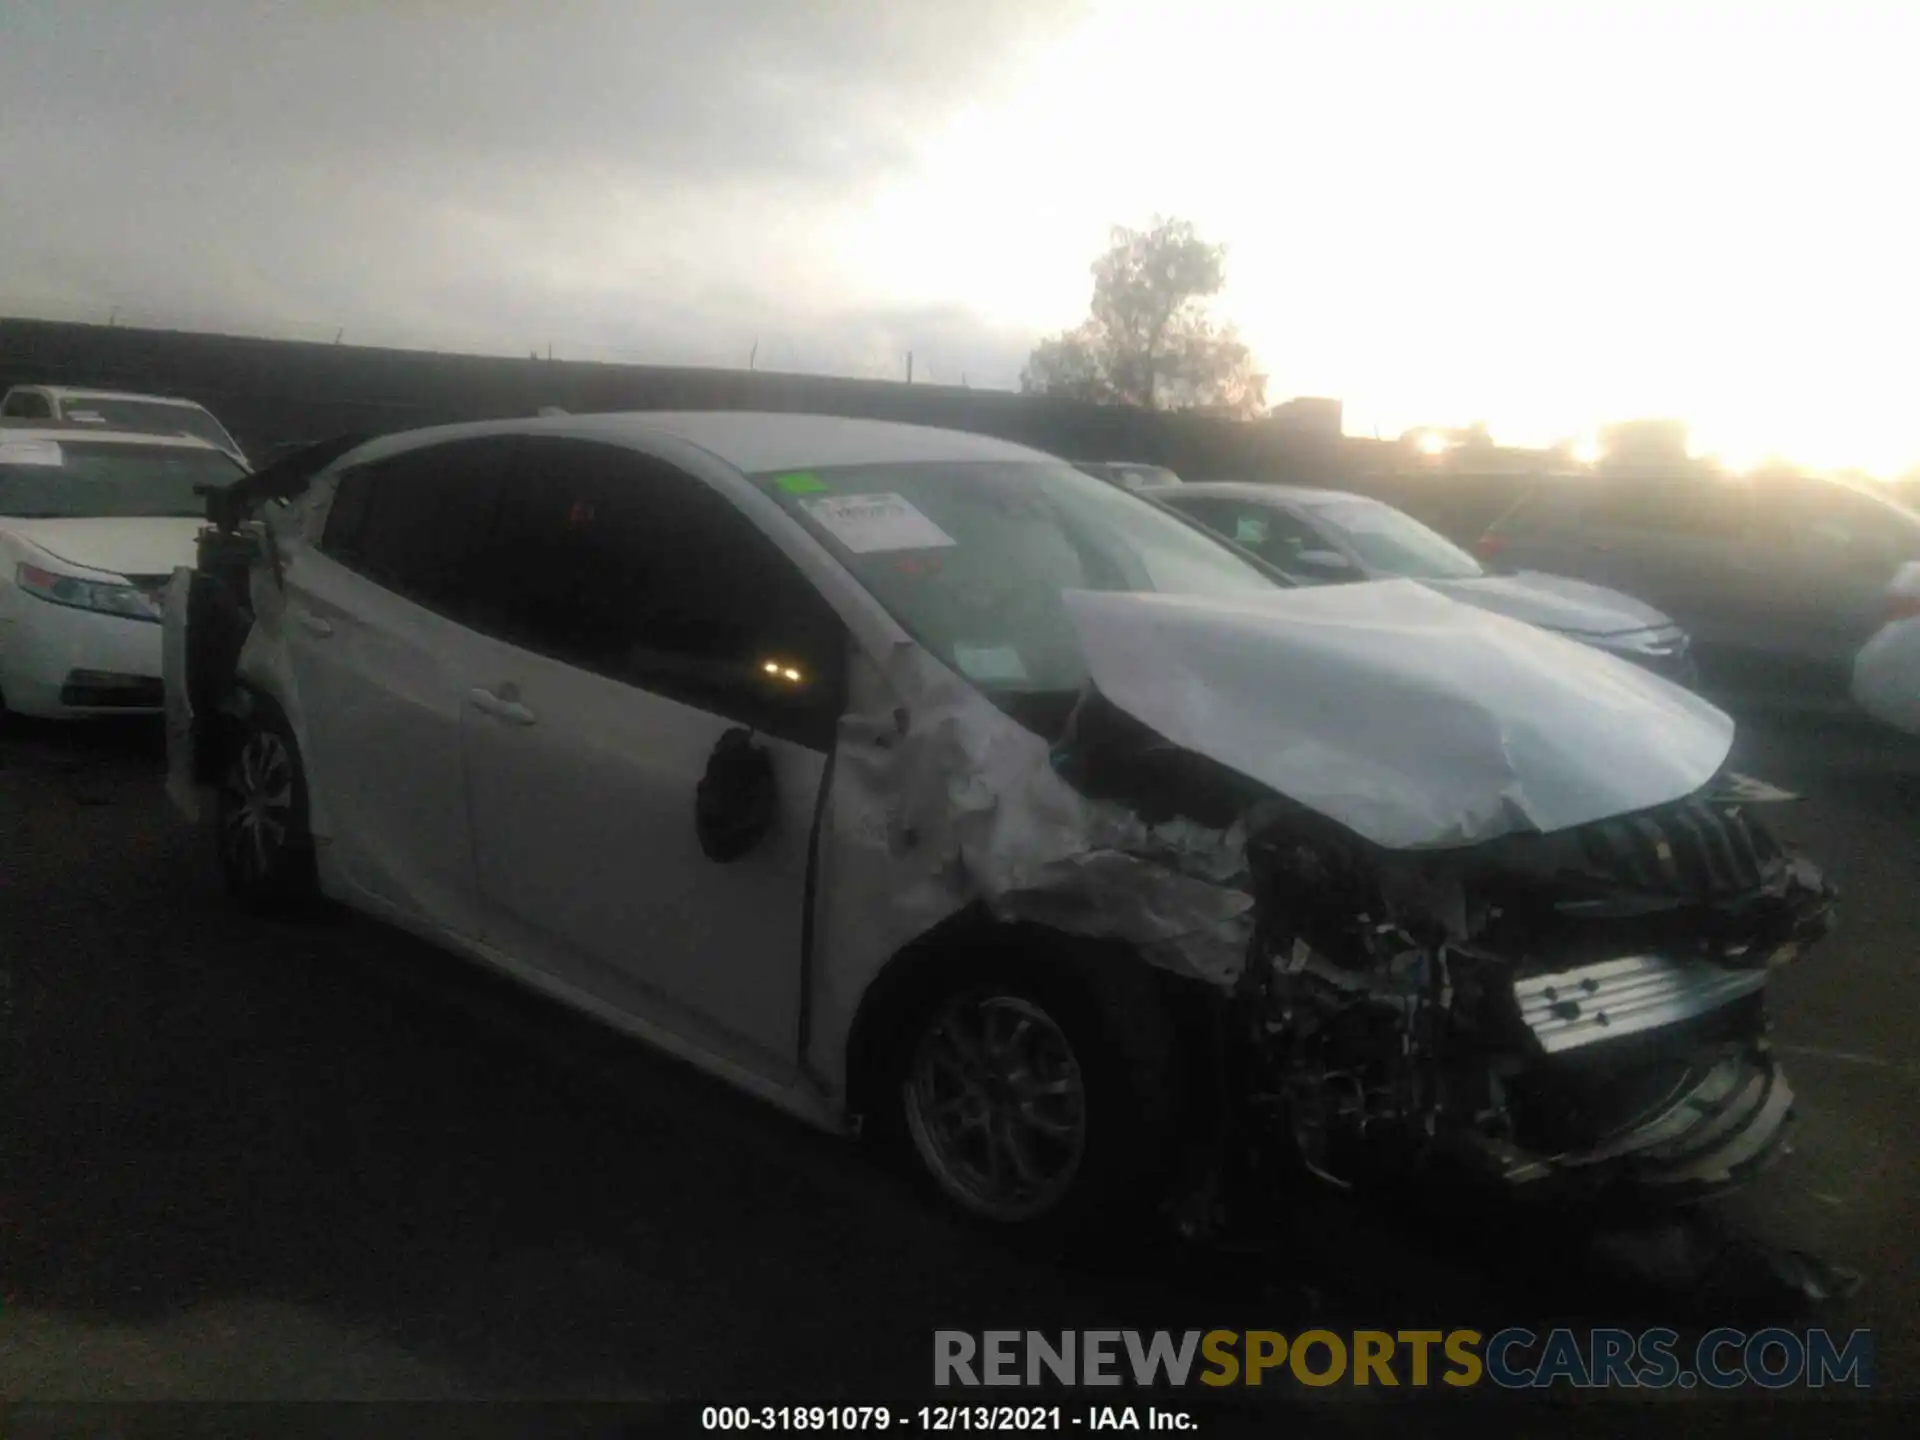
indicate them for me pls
(266, 849)
(1033, 1106)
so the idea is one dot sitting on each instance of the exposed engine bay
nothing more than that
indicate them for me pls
(1580, 1009)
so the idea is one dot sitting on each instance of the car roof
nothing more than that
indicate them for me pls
(749, 441)
(92, 434)
(1296, 494)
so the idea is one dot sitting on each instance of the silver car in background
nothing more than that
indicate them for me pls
(1329, 536)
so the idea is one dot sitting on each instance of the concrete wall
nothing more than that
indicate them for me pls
(270, 391)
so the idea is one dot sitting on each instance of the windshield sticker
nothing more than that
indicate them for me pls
(873, 524)
(801, 482)
(32, 452)
(989, 664)
(1249, 531)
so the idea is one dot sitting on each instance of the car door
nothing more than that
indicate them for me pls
(640, 620)
(380, 666)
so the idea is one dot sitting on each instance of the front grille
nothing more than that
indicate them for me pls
(1694, 849)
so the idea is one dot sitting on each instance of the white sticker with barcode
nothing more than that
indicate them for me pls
(32, 452)
(872, 524)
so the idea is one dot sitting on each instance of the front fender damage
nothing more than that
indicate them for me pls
(1577, 1009)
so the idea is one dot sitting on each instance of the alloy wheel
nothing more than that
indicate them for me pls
(996, 1103)
(256, 816)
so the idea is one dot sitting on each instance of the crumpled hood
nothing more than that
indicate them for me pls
(1555, 602)
(1414, 721)
(130, 545)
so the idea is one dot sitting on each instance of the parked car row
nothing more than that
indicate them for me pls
(936, 791)
(1787, 588)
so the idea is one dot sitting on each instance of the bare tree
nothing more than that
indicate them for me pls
(1149, 340)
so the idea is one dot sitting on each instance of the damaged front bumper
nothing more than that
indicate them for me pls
(1577, 1015)
(1726, 1120)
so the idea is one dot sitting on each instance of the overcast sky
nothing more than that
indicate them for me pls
(1540, 213)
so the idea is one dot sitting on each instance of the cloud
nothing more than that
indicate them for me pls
(646, 175)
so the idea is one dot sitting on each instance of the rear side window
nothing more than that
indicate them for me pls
(1666, 505)
(1545, 507)
(28, 406)
(414, 524)
(1670, 505)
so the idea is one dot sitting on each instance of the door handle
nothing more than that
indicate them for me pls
(501, 707)
(307, 620)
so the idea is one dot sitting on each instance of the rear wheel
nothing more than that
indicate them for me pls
(266, 849)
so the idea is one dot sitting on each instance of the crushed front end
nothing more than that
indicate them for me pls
(1578, 1011)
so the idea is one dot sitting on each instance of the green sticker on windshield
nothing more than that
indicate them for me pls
(801, 482)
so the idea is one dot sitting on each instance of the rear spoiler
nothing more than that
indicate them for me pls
(285, 478)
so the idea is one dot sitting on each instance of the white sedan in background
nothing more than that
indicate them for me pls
(1886, 673)
(92, 524)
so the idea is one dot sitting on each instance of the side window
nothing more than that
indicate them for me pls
(347, 516)
(15, 408)
(628, 567)
(1551, 508)
(28, 406)
(1674, 505)
(415, 523)
(1275, 535)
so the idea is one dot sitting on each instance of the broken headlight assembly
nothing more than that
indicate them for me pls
(1584, 1008)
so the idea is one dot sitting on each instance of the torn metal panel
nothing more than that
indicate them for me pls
(941, 801)
(1414, 721)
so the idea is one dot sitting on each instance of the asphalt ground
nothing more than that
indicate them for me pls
(250, 1160)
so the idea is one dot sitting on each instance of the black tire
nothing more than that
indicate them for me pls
(261, 817)
(1119, 1042)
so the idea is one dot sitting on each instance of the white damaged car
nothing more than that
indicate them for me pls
(922, 785)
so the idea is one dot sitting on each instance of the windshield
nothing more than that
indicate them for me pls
(1394, 543)
(46, 479)
(148, 415)
(971, 559)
